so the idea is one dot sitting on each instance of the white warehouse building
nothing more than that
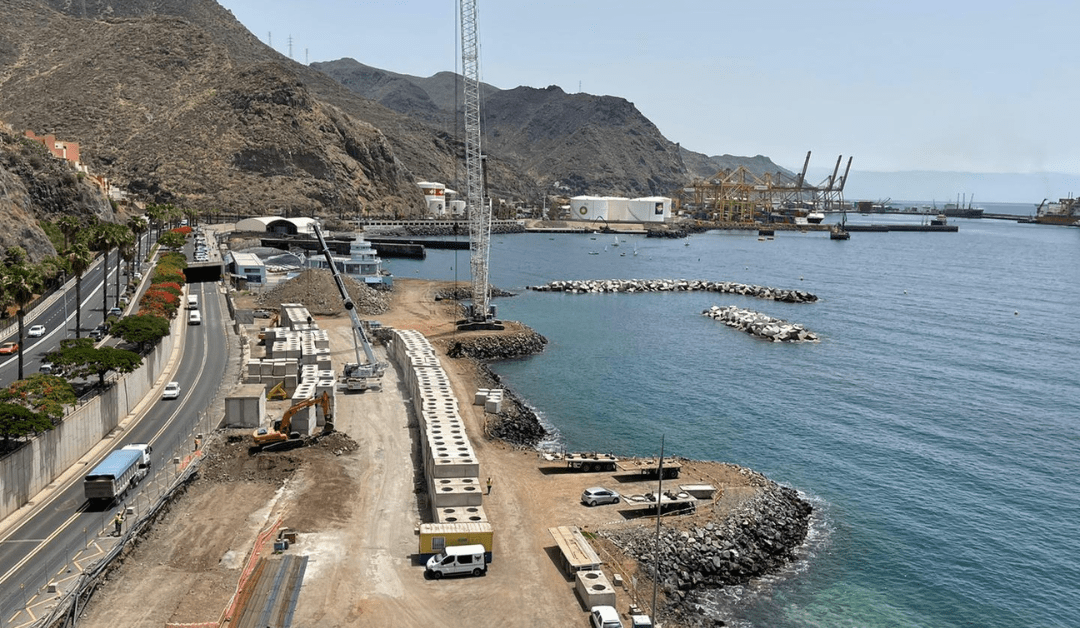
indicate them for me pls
(619, 209)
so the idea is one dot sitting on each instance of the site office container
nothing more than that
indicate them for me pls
(435, 537)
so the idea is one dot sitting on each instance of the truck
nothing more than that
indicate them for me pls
(436, 537)
(117, 473)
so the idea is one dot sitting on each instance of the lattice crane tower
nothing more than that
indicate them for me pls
(477, 209)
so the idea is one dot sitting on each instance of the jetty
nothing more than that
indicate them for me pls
(595, 286)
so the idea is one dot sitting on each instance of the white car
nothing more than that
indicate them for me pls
(605, 617)
(194, 318)
(37, 331)
(172, 391)
(599, 495)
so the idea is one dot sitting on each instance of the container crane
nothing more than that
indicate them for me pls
(367, 371)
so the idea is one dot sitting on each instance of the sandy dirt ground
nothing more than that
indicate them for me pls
(355, 500)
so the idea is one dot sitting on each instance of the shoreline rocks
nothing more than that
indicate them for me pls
(760, 325)
(756, 538)
(592, 286)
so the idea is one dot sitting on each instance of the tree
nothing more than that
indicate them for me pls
(122, 239)
(18, 421)
(172, 240)
(44, 394)
(69, 226)
(79, 259)
(101, 240)
(21, 281)
(138, 226)
(142, 330)
(82, 359)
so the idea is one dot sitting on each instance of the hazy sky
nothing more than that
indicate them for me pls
(911, 85)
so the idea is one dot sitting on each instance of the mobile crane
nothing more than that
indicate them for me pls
(362, 374)
(280, 436)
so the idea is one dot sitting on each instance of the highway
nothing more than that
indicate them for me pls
(61, 535)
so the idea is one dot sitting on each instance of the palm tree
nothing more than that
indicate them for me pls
(101, 240)
(138, 225)
(21, 281)
(120, 237)
(79, 258)
(69, 226)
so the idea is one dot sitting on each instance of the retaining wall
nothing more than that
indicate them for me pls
(29, 470)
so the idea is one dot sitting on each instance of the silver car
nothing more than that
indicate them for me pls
(599, 495)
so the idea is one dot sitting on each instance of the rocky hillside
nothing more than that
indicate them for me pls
(576, 143)
(177, 101)
(35, 186)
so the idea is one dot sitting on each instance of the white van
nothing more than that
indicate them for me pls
(194, 318)
(460, 559)
(193, 301)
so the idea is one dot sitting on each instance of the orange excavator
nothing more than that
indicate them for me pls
(281, 436)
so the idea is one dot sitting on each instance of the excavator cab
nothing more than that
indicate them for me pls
(280, 436)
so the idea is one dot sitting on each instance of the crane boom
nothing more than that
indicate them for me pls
(354, 376)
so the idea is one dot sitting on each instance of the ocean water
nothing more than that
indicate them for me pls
(935, 427)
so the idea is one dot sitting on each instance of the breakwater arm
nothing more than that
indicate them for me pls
(584, 286)
(760, 325)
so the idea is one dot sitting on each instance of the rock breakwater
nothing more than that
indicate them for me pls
(585, 286)
(760, 325)
(755, 538)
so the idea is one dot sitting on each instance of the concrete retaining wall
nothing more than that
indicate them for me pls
(28, 471)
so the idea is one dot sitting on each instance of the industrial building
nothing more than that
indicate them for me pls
(438, 199)
(619, 209)
(246, 265)
(277, 224)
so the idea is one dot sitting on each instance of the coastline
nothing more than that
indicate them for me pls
(739, 536)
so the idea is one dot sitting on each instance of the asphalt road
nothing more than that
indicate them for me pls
(62, 534)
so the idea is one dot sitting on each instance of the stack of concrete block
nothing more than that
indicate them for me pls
(451, 492)
(490, 398)
(294, 315)
(461, 514)
(451, 467)
(304, 420)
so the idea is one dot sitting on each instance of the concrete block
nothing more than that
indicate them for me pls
(594, 589)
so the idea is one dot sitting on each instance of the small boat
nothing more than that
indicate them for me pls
(837, 231)
(815, 217)
(594, 252)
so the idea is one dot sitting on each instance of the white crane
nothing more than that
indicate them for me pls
(479, 213)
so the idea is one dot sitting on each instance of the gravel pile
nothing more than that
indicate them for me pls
(316, 290)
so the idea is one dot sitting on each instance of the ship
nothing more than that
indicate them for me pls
(1064, 212)
(960, 210)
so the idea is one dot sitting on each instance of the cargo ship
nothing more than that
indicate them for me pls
(960, 210)
(1064, 212)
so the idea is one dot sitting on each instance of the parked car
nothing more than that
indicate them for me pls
(605, 617)
(599, 495)
(48, 368)
(8, 348)
(115, 311)
(36, 331)
(172, 390)
(99, 332)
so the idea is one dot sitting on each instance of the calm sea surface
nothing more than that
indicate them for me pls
(936, 427)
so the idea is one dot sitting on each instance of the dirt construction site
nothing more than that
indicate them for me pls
(352, 503)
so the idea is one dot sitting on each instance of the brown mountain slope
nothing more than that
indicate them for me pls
(574, 143)
(35, 186)
(194, 112)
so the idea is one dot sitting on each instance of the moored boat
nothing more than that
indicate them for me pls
(1064, 212)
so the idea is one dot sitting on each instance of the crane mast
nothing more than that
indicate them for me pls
(478, 212)
(363, 374)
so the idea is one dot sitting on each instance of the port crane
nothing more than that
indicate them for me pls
(366, 373)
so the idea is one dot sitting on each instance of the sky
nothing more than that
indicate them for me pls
(951, 85)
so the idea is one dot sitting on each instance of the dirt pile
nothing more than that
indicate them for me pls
(234, 460)
(316, 290)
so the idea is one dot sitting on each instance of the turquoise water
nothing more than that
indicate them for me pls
(935, 427)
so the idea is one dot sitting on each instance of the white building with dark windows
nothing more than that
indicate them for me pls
(247, 265)
(363, 263)
(619, 209)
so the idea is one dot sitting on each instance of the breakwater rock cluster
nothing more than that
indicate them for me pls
(412, 229)
(462, 293)
(581, 286)
(502, 346)
(760, 325)
(517, 423)
(756, 538)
